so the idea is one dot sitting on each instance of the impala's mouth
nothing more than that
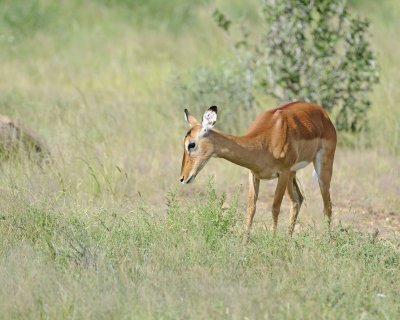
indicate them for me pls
(187, 181)
(190, 180)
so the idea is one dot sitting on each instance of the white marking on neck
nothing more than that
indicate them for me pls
(299, 165)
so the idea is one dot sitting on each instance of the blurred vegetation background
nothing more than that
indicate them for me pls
(104, 83)
(102, 79)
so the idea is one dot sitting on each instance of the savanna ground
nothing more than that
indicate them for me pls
(106, 231)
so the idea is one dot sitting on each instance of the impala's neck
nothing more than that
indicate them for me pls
(240, 150)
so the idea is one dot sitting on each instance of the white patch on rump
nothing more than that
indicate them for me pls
(299, 165)
(315, 176)
(317, 161)
(317, 166)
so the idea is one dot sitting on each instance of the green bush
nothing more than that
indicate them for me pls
(312, 51)
(206, 220)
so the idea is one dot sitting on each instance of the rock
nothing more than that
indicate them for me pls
(15, 137)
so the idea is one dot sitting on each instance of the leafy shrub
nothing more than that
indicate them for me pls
(318, 51)
(315, 51)
(212, 221)
(206, 220)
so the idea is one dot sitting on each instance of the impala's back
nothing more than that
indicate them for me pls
(294, 132)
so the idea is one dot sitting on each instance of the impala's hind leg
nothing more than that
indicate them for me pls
(296, 199)
(279, 192)
(323, 164)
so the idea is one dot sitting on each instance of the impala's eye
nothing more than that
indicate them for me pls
(191, 145)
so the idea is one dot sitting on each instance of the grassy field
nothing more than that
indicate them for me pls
(106, 231)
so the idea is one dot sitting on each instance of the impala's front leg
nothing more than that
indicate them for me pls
(254, 184)
(279, 192)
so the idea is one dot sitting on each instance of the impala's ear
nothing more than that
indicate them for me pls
(190, 119)
(209, 119)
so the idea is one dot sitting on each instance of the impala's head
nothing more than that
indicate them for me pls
(198, 147)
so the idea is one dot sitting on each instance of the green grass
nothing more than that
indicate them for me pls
(98, 233)
(189, 263)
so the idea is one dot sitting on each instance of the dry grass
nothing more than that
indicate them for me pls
(88, 236)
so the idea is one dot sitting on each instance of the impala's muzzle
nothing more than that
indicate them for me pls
(187, 181)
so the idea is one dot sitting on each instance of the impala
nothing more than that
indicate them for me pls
(278, 143)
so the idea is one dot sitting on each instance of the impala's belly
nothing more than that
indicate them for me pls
(267, 174)
(299, 165)
(305, 151)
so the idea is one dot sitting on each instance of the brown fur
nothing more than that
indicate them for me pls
(276, 141)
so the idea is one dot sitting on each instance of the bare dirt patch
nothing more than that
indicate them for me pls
(367, 220)
(365, 192)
